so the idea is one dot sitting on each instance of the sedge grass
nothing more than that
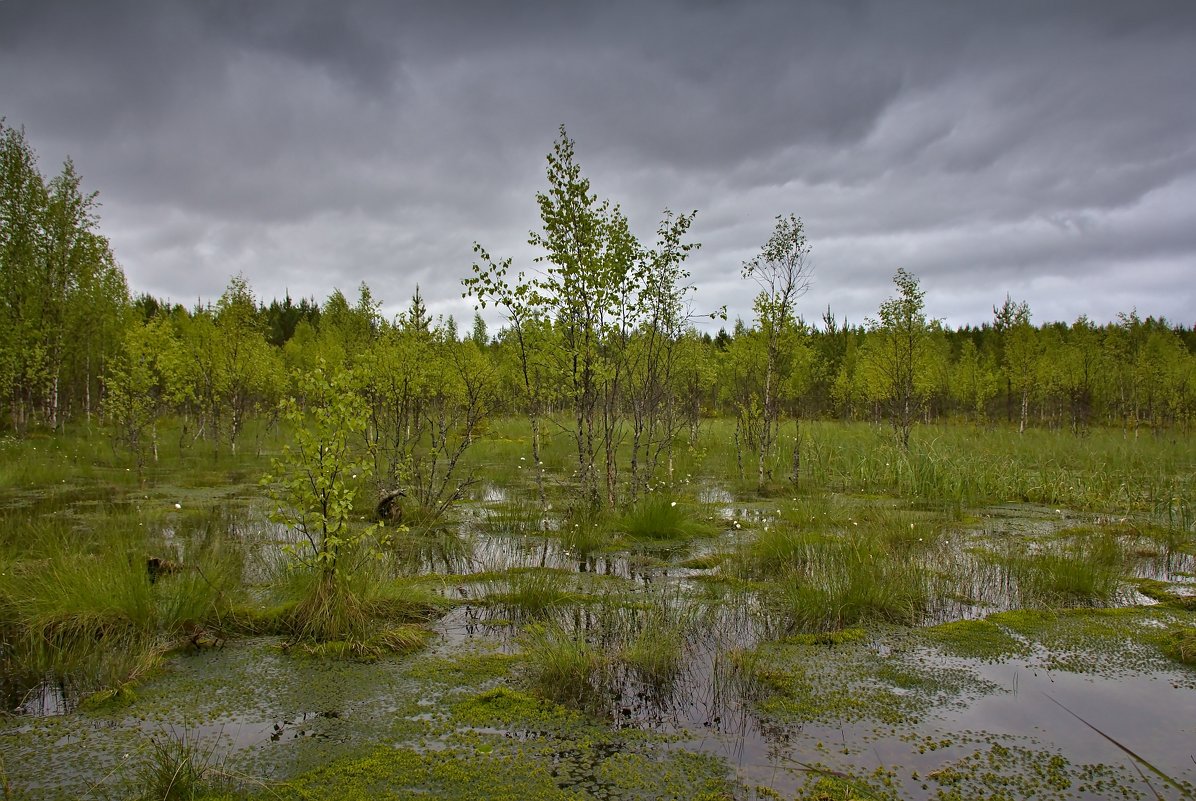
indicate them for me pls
(655, 648)
(658, 517)
(563, 666)
(1180, 644)
(533, 593)
(833, 582)
(1083, 572)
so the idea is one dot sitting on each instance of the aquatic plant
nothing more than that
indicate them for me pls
(534, 592)
(843, 584)
(1085, 571)
(563, 666)
(1180, 644)
(655, 647)
(176, 767)
(660, 517)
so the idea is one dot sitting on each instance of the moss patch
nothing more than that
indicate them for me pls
(505, 707)
(1109, 642)
(794, 681)
(486, 771)
(467, 669)
(1162, 592)
(976, 639)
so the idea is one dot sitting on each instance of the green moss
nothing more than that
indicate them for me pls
(794, 682)
(503, 706)
(707, 561)
(480, 768)
(840, 637)
(1010, 772)
(1162, 592)
(829, 785)
(1101, 641)
(465, 670)
(396, 640)
(401, 773)
(976, 639)
(1180, 644)
(112, 698)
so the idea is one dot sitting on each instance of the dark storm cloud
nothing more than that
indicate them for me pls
(1041, 149)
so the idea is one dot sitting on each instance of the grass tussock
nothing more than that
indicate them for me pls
(833, 583)
(654, 648)
(1083, 572)
(534, 593)
(96, 620)
(177, 767)
(657, 517)
(563, 666)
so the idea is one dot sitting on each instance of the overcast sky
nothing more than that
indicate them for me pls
(1041, 149)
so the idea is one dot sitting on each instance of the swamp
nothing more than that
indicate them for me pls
(895, 626)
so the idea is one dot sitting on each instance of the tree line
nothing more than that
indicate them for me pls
(600, 344)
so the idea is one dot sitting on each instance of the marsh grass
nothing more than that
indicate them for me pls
(438, 549)
(844, 585)
(953, 467)
(178, 766)
(518, 515)
(658, 517)
(1180, 644)
(330, 607)
(402, 639)
(93, 619)
(564, 667)
(654, 647)
(318, 609)
(1085, 571)
(534, 593)
(584, 532)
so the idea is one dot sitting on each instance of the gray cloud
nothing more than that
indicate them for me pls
(1045, 150)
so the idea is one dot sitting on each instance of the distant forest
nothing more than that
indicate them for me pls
(600, 335)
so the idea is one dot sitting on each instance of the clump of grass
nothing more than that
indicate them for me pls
(656, 648)
(177, 768)
(517, 515)
(657, 517)
(706, 561)
(534, 593)
(1085, 572)
(397, 640)
(564, 667)
(405, 601)
(432, 549)
(329, 609)
(780, 549)
(94, 620)
(845, 584)
(584, 533)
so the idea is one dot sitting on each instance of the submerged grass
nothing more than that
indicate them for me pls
(654, 648)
